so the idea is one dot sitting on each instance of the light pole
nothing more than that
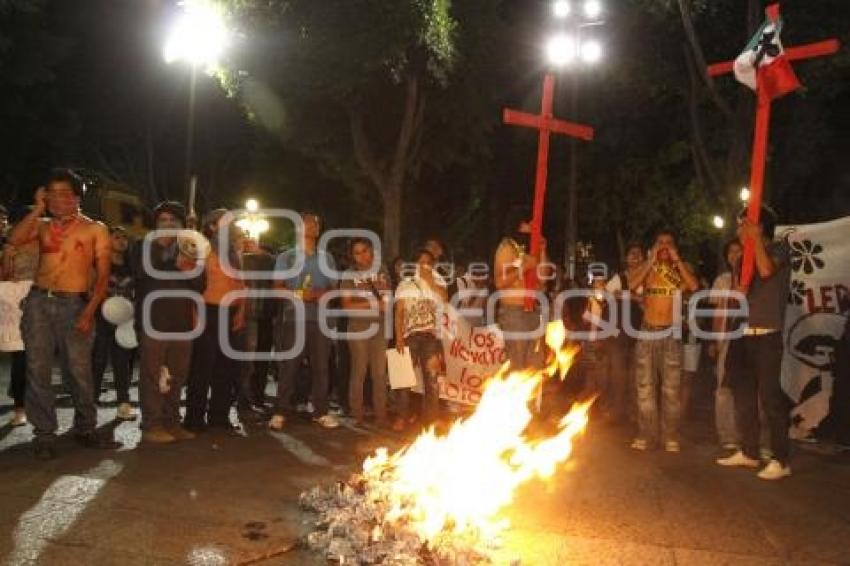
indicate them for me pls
(568, 49)
(198, 37)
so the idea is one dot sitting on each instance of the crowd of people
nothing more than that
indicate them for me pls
(205, 328)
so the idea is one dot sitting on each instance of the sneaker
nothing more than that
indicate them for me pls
(672, 446)
(738, 459)
(180, 433)
(125, 412)
(766, 454)
(774, 471)
(309, 408)
(327, 421)
(20, 418)
(276, 423)
(44, 449)
(158, 435)
(640, 444)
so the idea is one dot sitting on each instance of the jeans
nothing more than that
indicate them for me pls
(106, 349)
(654, 359)
(18, 378)
(523, 353)
(162, 409)
(368, 355)
(214, 376)
(724, 401)
(427, 353)
(258, 338)
(621, 364)
(317, 347)
(48, 326)
(753, 371)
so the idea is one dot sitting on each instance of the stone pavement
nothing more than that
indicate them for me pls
(232, 499)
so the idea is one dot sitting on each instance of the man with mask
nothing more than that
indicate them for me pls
(59, 312)
(511, 264)
(164, 360)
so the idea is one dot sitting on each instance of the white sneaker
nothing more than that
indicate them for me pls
(126, 412)
(327, 421)
(672, 446)
(640, 444)
(738, 459)
(774, 471)
(276, 423)
(309, 408)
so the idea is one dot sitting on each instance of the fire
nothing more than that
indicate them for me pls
(456, 485)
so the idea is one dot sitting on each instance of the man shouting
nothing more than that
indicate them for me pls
(661, 279)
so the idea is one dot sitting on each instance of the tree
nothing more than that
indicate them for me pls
(35, 124)
(347, 83)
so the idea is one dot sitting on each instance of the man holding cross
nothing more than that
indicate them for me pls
(754, 361)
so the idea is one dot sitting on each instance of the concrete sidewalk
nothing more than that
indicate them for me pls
(232, 499)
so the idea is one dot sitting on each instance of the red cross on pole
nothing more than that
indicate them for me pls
(547, 124)
(763, 107)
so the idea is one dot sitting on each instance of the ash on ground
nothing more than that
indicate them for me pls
(352, 528)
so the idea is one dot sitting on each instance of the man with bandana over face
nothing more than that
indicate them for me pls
(164, 356)
(59, 312)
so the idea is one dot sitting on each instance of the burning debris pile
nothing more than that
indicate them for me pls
(440, 500)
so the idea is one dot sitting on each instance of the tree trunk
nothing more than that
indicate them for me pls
(392, 223)
(390, 176)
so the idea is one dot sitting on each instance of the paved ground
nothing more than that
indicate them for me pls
(225, 499)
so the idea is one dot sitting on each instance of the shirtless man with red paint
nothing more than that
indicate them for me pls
(58, 314)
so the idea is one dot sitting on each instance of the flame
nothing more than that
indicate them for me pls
(562, 356)
(457, 484)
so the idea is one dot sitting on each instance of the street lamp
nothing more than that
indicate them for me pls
(561, 9)
(561, 50)
(591, 52)
(718, 222)
(565, 49)
(254, 223)
(592, 9)
(199, 37)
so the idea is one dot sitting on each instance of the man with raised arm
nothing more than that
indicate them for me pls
(59, 312)
(658, 353)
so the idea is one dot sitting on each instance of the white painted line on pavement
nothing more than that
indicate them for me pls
(301, 451)
(56, 512)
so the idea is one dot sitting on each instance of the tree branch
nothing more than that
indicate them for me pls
(699, 56)
(703, 159)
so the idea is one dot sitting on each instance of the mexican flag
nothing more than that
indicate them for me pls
(763, 66)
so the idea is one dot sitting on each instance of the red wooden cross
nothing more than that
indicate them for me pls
(760, 138)
(547, 124)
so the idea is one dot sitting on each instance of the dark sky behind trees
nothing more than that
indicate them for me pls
(82, 83)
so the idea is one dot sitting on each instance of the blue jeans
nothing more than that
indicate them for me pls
(659, 359)
(48, 327)
(523, 352)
